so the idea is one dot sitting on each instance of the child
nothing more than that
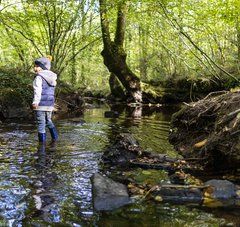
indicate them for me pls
(43, 102)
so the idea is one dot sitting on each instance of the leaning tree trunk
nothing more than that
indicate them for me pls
(117, 90)
(114, 55)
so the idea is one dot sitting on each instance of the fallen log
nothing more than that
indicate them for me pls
(170, 167)
(213, 193)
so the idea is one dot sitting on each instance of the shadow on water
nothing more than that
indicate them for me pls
(50, 185)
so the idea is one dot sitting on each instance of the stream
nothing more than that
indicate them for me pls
(50, 186)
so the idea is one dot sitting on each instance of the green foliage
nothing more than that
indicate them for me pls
(164, 45)
(166, 40)
(15, 88)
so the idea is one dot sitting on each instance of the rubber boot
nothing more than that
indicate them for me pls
(42, 138)
(54, 134)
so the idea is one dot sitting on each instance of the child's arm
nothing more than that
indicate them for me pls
(37, 87)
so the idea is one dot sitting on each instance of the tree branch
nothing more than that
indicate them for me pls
(80, 50)
(21, 33)
(176, 25)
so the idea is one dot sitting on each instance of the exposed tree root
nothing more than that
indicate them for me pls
(210, 129)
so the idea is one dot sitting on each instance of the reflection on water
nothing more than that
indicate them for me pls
(40, 185)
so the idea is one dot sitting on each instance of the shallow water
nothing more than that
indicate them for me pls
(50, 186)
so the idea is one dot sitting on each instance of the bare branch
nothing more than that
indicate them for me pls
(21, 33)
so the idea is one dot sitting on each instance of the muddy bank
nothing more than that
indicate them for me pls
(208, 131)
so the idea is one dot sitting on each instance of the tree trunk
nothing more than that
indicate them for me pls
(238, 44)
(114, 55)
(143, 53)
(116, 87)
(73, 64)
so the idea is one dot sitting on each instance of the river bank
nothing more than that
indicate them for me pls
(208, 131)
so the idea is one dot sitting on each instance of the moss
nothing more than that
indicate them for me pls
(179, 89)
(150, 177)
(155, 92)
(178, 115)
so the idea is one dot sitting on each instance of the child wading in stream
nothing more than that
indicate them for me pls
(43, 102)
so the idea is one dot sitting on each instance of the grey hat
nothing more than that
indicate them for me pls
(43, 62)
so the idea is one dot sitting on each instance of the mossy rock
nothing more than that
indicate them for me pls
(147, 177)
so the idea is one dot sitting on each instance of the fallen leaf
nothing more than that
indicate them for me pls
(200, 144)
(158, 198)
(238, 193)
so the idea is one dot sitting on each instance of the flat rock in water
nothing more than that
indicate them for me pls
(108, 194)
(221, 189)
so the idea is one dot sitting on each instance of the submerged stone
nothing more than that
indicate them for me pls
(220, 189)
(108, 194)
(147, 177)
(124, 149)
(111, 114)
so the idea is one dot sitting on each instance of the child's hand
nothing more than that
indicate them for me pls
(34, 106)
